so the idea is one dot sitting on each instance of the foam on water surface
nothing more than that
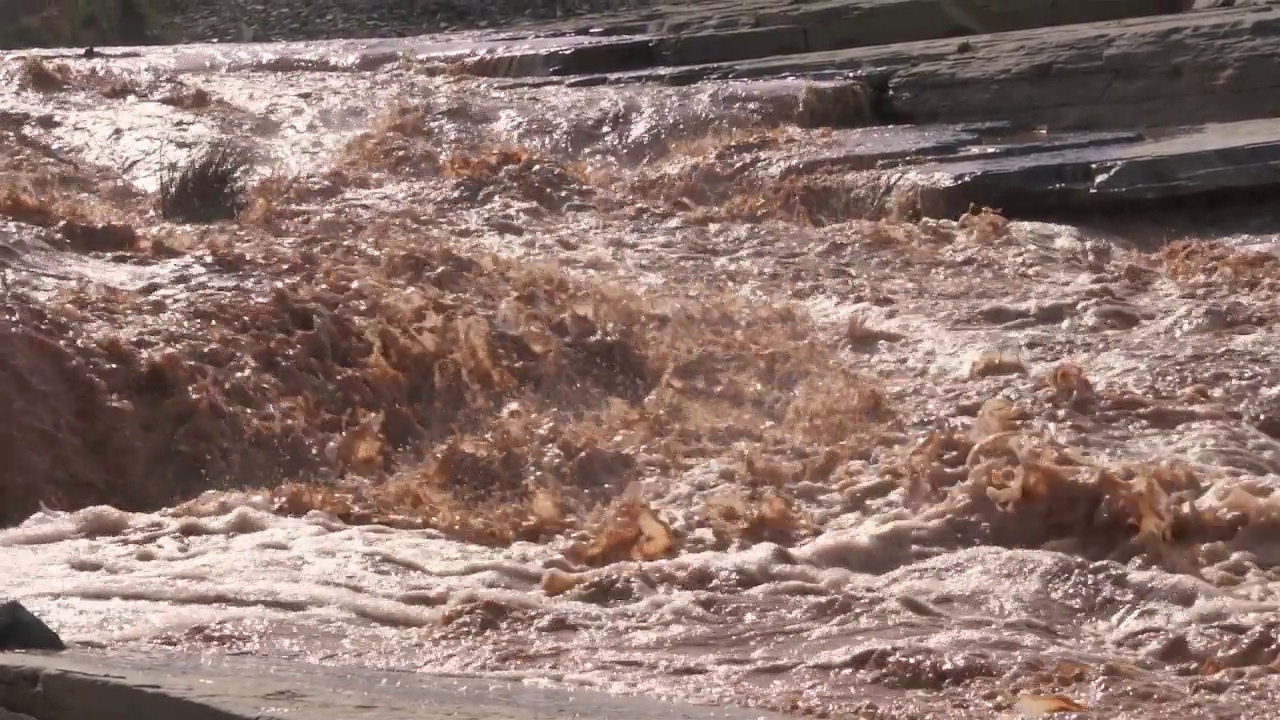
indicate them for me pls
(938, 565)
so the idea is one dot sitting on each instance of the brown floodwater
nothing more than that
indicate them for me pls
(886, 468)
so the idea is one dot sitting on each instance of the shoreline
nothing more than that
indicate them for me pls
(78, 684)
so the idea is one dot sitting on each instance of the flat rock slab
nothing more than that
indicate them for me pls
(895, 147)
(101, 686)
(1208, 161)
(832, 24)
(1200, 67)
(939, 171)
(733, 30)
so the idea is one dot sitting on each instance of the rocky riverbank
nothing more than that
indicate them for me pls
(241, 20)
(839, 24)
(177, 21)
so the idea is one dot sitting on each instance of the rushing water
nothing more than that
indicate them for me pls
(933, 594)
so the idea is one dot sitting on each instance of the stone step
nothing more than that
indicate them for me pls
(733, 31)
(1215, 160)
(939, 171)
(838, 24)
(1210, 66)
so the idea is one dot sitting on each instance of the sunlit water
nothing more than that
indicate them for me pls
(901, 605)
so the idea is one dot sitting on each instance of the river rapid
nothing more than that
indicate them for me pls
(884, 468)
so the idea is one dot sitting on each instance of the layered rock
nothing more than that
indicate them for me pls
(756, 27)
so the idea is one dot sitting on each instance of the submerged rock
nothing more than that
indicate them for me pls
(20, 630)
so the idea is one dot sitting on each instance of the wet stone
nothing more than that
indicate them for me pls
(939, 171)
(1201, 161)
(21, 630)
(717, 30)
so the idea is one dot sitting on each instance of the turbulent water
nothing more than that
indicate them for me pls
(1059, 491)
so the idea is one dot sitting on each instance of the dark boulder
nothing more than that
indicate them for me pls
(20, 630)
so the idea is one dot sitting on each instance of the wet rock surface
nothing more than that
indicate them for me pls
(134, 687)
(20, 630)
(1216, 67)
(1107, 174)
(757, 24)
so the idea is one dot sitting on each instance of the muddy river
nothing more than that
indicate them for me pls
(592, 387)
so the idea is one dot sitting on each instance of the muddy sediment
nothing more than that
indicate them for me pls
(673, 390)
